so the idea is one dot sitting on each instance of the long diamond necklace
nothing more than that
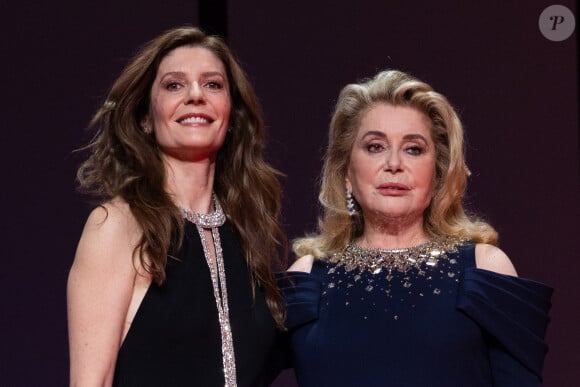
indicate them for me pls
(218, 278)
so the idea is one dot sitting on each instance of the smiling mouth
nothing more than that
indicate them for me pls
(195, 120)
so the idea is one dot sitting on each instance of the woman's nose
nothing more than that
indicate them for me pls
(195, 93)
(393, 161)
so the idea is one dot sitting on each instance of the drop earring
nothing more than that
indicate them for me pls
(350, 203)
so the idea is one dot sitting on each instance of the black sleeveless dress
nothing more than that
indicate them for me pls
(175, 338)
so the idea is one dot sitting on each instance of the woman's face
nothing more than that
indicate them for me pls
(392, 164)
(190, 104)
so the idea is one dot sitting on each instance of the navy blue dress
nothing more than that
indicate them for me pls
(445, 325)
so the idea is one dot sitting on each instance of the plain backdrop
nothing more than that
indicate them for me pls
(515, 90)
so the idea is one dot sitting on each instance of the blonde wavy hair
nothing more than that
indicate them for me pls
(445, 215)
(126, 162)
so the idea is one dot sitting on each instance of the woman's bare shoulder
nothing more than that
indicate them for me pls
(110, 231)
(492, 258)
(113, 213)
(303, 264)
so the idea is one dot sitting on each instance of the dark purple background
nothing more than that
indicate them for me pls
(515, 91)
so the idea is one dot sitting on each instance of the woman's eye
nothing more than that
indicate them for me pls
(171, 86)
(374, 148)
(414, 150)
(216, 85)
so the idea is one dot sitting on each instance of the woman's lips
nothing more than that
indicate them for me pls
(393, 189)
(195, 118)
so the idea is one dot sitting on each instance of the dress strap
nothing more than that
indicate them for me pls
(466, 255)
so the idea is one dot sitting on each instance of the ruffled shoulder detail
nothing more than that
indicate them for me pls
(301, 292)
(513, 310)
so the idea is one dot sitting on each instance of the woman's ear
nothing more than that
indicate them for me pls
(146, 125)
(347, 184)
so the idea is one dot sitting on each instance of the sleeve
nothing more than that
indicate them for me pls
(513, 313)
(301, 292)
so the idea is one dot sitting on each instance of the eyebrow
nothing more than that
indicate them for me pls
(182, 74)
(415, 137)
(412, 136)
(373, 133)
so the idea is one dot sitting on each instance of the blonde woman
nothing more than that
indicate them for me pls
(400, 287)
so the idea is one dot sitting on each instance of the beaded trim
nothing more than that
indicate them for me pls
(218, 279)
(402, 260)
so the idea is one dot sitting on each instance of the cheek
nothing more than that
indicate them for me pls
(164, 105)
(226, 111)
(429, 179)
(361, 185)
(354, 176)
(361, 168)
(165, 109)
(156, 111)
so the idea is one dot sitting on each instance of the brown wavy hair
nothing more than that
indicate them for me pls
(445, 215)
(125, 162)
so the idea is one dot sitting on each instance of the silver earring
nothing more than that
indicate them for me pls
(350, 203)
(146, 128)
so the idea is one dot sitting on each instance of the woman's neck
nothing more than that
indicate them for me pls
(190, 184)
(392, 234)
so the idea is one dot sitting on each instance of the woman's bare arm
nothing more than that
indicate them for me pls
(99, 292)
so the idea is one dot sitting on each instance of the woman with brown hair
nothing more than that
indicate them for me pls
(172, 282)
(400, 286)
